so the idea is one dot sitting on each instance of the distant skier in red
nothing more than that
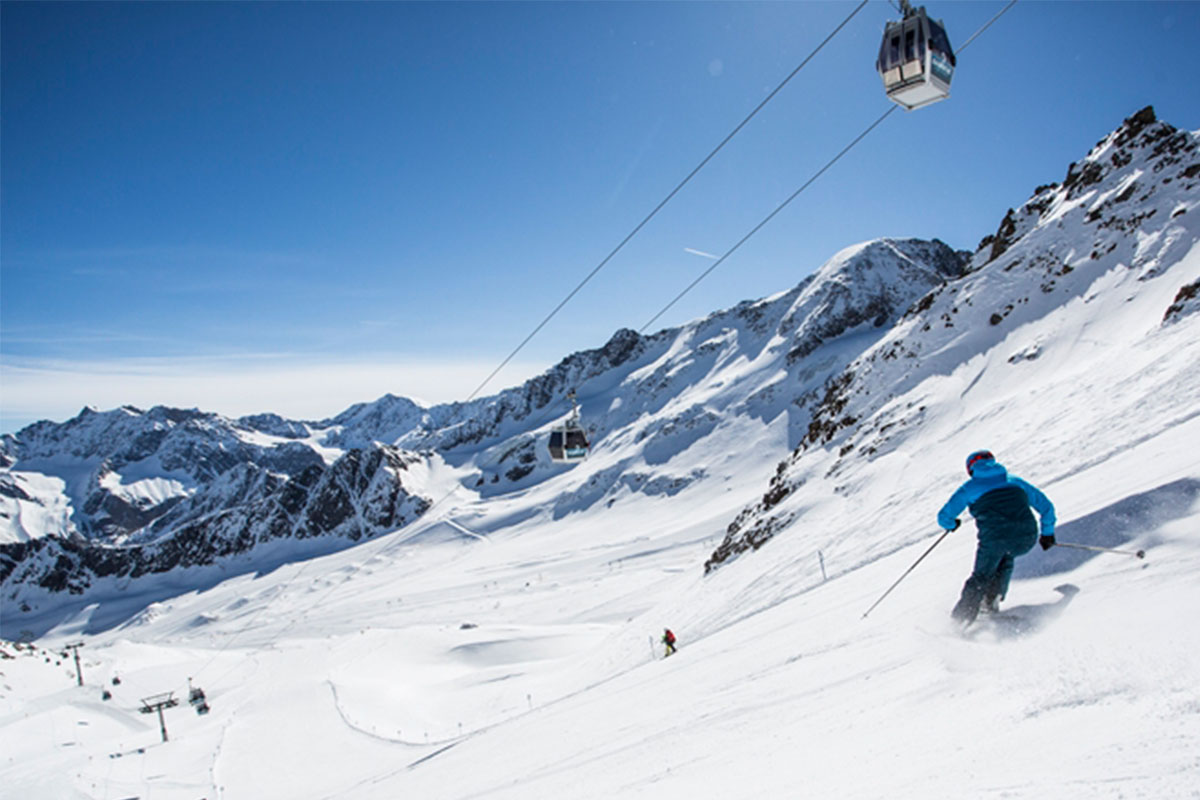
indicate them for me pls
(668, 639)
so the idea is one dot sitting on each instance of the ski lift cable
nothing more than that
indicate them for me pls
(807, 183)
(316, 604)
(769, 217)
(986, 25)
(253, 618)
(753, 231)
(299, 573)
(604, 262)
(779, 208)
(665, 200)
(626, 240)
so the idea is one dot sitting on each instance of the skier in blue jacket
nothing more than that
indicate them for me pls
(1000, 504)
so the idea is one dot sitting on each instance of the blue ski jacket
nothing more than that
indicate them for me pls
(999, 511)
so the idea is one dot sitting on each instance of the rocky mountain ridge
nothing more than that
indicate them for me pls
(244, 509)
(1128, 208)
(825, 363)
(152, 491)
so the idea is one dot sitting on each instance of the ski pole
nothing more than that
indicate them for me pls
(905, 575)
(1139, 553)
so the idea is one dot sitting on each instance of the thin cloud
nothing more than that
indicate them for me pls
(169, 253)
(235, 386)
(100, 272)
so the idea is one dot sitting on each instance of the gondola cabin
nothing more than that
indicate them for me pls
(568, 444)
(915, 60)
(568, 441)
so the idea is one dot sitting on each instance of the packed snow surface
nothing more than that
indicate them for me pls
(523, 666)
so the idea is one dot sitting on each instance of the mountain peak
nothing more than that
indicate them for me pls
(1140, 160)
(1120, 219)
(1134, 125)
(870, 282)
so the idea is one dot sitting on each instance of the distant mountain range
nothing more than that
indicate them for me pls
(92, 505)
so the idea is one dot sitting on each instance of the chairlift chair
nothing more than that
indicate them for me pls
(568, 441)
(197, 699)
(915, 60)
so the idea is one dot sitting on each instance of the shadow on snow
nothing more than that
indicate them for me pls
(1024, 620)
(1112, 527)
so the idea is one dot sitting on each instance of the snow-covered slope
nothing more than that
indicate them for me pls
(503, 644)
(165, 490)
(1112, 248)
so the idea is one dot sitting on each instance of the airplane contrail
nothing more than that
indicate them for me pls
(700, 253)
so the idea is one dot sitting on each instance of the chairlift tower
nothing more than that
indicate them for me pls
(157, 703)
(74, 648)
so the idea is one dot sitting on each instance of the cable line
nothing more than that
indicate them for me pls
(665, 200)
(769, 217)
(986, 25)
(807, 183)
(600, 266)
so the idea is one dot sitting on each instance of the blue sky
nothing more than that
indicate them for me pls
(292, 207)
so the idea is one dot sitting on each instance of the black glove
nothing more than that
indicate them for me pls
(957, 524)
(1046, 542)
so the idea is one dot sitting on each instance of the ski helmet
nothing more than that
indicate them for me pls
(976, 457)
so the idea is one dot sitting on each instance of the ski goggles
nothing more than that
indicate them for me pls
(976, 457)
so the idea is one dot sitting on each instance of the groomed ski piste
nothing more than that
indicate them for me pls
(507, 647)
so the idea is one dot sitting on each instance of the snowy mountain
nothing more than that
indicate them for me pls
(123, 469)
(410, 601)
(156, 491)
(1112, 240)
